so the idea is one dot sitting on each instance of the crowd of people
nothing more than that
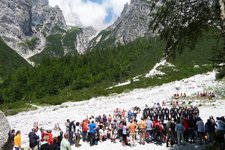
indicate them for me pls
(209, 95)
(176, 125)
(204, 94)
(179, 95)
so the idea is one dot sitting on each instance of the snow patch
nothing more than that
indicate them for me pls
(135, 79)
(155, 70)
(120, 84)
(98, 39)
(151, 73)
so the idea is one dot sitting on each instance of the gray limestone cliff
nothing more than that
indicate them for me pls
(83, 39)
(20, 20)
(132, 24)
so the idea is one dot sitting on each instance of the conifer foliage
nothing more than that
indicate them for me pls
(182, 23)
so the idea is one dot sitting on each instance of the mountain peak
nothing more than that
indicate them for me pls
(132, 24)
(22, 20)
(40, 2)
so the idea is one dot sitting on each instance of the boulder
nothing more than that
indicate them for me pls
(5, 143)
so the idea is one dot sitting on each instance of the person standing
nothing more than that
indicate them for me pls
(65, 145)
(149, 129)
(67, 124)
(11, 137)
(71, 131)
(33, 139)
(44, 144)
(201, 129)
(50, 136)
(129, 115)
(84, 130)
(179, 128)
(142, 130)
(132, 128)
(124, 133)
(191, 129)
(92, 128)
(17, 140)
(77, 134)
(170, 127)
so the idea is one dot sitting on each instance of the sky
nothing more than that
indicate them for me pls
(97, 13)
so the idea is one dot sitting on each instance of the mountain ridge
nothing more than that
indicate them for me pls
(131, 25)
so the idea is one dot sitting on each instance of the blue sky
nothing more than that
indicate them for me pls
(95, 1)
(97, 13)
(109, 10)
(109, 16)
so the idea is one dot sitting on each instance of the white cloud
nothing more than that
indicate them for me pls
(77, 12)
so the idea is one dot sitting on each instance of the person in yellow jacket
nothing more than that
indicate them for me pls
(17, 140)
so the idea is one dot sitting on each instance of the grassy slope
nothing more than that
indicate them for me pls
(9, 60)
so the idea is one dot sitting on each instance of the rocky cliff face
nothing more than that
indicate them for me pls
(132, 24)
(26, 24)
(22, 19)
(83, 39)
(46, 19)
(15, 19)
(4, 129)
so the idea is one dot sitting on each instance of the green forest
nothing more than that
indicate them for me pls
(10, 61)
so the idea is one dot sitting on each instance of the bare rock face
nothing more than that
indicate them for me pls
(20, 20)
(4, 130)
(132, 24)
(83, 39)
(46, 19)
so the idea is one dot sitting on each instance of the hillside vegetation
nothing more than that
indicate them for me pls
(57, 44)
(10, 61)
(79, 77)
